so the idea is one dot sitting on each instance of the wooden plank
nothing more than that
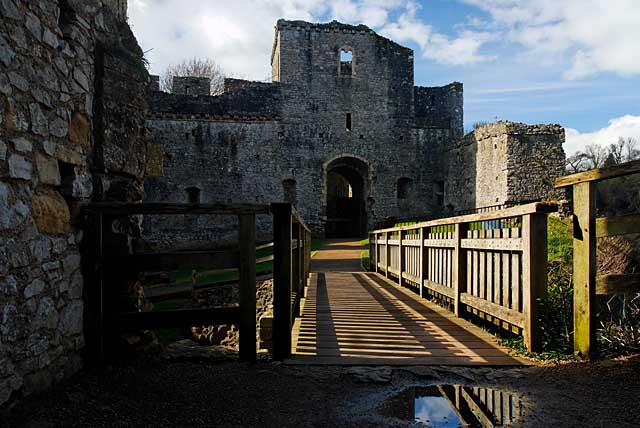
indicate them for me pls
(439, 288)
(493, 244)
(247, 285)
(410, 277)
(267, 245)
(594, 175)
(505, 278)
(505, 314)
(184, 260)
(497, 275)
(401, 259)
(516, 283)
(411, 242)
(177, 318)
(282, 275)
(151, 208)
(612, 226)
(482, 271)
(459, 265)
(534, 277)
(439, 243)
(584, 267)
(421, 260)
(516, 211)
(618, 284)
(476, 408)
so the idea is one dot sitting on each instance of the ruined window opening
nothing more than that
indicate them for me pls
(401, 137)
(348, 120)
(439, 192)
(404, 188)
(193, 195)
(361, 136)
(67, 177)
(186, 89)
(289, 192)
(346, 62)
(66, 18)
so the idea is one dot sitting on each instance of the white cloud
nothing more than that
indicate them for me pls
(463, 49)
(595, 35)
(239, 34)
(625, 126)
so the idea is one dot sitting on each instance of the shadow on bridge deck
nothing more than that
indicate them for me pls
(352, 317)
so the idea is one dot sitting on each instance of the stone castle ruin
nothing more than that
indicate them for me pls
(343, 133)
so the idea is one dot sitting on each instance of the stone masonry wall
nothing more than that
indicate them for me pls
(243, 145)
(66, 136)
(503, 162)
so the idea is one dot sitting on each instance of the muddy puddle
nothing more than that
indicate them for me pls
(453, 406)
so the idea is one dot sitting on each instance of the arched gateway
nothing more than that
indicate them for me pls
(346, 188)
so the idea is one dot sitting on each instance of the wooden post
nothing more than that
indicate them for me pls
(421, 261)
(295, 268)
(282, 274)
(299, 265)
(387, 253)
(247, 285)
(401, 258)
(584, 268)
(372, 253)
(459, 261)
(534, 276)
(99, 293)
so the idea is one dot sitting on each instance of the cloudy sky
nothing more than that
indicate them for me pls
(573, 62)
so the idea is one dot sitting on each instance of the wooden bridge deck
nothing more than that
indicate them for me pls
(353, 317)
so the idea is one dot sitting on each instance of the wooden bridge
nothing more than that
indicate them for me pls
(425, 283)
(355, 317)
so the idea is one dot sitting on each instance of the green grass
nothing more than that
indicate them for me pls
(517, 344)
(204, 278)
(559, 238)
(364, 258)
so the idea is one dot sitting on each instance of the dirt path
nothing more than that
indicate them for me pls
(201, 394)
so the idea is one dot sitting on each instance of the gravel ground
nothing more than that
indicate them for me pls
(157, 393)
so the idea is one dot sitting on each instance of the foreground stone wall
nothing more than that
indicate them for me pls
(66, 136)
(502, 163)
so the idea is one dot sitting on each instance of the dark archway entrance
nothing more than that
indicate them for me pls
(346, 181)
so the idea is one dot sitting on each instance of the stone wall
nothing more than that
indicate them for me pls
(66, 136)
(191, 85)
(246, 144)
(502, 163)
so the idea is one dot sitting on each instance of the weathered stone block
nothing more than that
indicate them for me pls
(69, 156)
(41, 248)
(34, 289)
(51, 213)
(71, 318)
(19, 167)
(48, 170)
(47, 314)
(39, 123)
(3, 150)
(59, 128)
(22, 145)
(79, 129)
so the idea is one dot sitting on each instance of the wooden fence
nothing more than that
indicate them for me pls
(492, 264)
(586, 229)
(103, 262)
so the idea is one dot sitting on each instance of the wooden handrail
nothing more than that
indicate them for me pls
(519, 210)
(497, 273)
(599, 174)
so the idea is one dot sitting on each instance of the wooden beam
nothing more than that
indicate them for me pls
(247, 285)
(439, 288)
(439, 243)
(594, 175)
(493, 244)
(611, 226)
(459, 268)
(177, 318)
(519, 210)
(584, 267)
(184, 260)
(506, 314)
(534, 277)
(127, 208)
(282, 275)
(618, 284)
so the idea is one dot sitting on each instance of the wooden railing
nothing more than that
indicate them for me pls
(292, 259)
(492, 264)
(586, 228)
(104, 262)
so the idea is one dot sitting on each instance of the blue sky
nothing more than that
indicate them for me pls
(572, 62)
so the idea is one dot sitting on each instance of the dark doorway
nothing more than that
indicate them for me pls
(346, 184)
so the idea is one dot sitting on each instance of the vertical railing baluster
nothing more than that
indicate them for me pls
(247, 283)
(282, 275)
(534, 276)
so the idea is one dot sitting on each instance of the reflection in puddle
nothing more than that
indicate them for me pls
(451, 406)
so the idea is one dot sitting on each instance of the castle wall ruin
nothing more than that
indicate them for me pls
(72, 129)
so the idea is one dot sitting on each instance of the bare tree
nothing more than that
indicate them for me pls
(195, 67)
